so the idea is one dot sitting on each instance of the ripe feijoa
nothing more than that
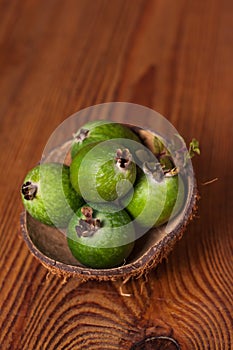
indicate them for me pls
(100, 239)
(154, 198)
(100, 130)
(48, 196)
(102, 171)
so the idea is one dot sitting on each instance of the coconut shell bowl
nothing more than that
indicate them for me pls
(49, 245)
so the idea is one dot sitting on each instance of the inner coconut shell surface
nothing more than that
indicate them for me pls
(49, 245)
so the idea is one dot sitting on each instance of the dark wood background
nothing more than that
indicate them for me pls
(175, 56)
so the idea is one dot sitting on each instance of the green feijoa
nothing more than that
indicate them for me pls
(155, 143)
(154, 197)
(166, 164)
(103, 171)
(100, 130)
(48, 195)
(100, 239)
(159, 147)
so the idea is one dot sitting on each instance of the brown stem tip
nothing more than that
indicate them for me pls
(29, 190)
(82, 135)
(154, 170)
(88, 226)
(123, 158)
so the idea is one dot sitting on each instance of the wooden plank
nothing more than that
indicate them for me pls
(174, 56)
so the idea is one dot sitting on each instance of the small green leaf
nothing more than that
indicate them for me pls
(194, 148)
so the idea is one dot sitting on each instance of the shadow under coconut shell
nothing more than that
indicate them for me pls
(49, 245)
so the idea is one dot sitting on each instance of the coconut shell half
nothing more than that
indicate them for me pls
(50, 247)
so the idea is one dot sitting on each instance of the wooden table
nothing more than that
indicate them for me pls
(58, 57)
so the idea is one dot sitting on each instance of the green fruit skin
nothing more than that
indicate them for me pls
(56, 200)
(149, 195)
(100, 178)
(108, 247)
(102, 130)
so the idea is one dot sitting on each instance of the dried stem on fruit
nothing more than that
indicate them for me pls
(87, 227)
(123, 158)
(29, 190)
(81, 136)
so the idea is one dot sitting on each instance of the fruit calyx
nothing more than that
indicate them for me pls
(29, 190)
(81, 136)
(87, 227)
(123, 158)
(154, 170)
(158, 171)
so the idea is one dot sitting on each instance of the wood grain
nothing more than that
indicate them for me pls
(174, 56)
